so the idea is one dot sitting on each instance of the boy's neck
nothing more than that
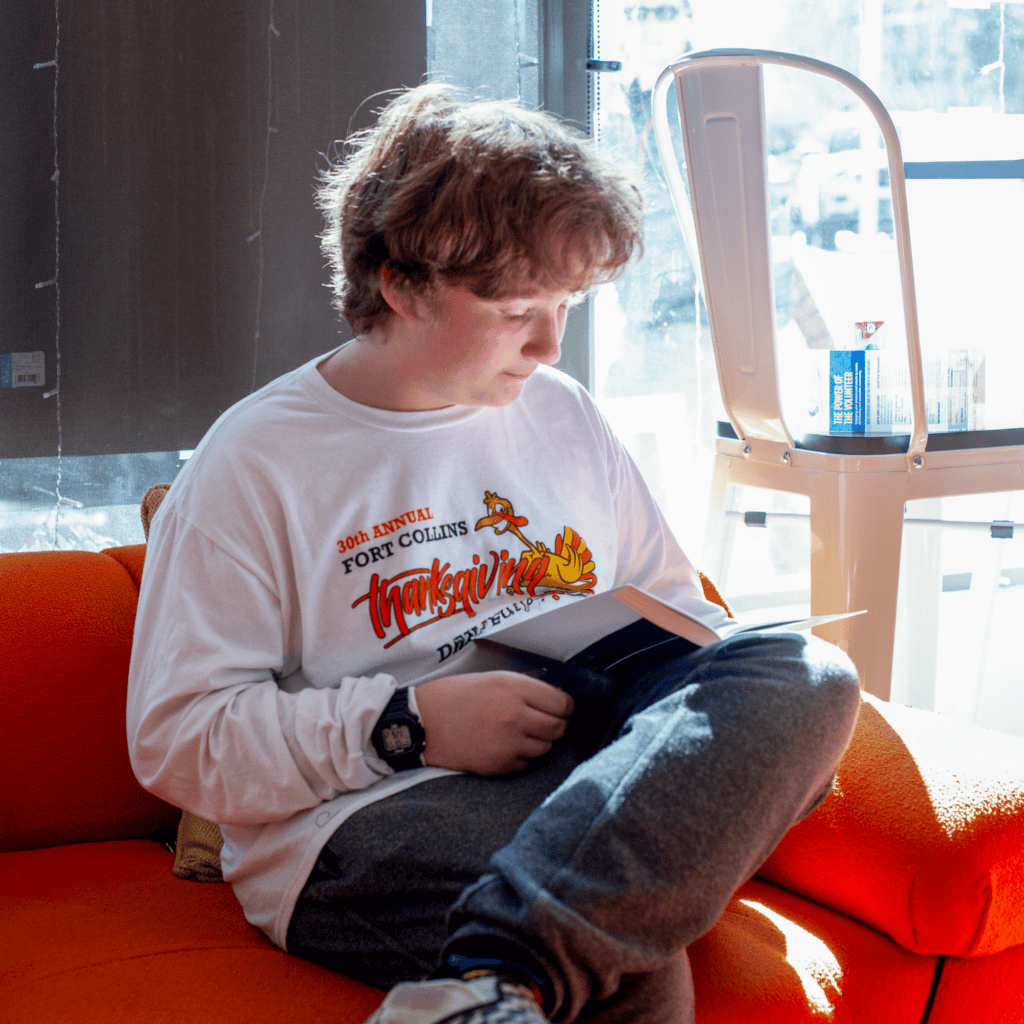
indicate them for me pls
(362, 370)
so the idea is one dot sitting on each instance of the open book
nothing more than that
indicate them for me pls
(675, 620)
(575, 625)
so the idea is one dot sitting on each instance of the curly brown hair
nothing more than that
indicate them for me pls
(483, 194)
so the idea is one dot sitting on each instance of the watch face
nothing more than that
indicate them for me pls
(396, 739)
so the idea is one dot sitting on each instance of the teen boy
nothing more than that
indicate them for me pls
(394, 804)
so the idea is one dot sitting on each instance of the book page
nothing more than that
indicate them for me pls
(571, 626)
(576, 623)
(667, 616)
(675, 620)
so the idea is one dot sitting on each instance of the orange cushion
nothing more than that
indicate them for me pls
(132, 557)
(923, 837)
(104, 932)
(775, 957)
(711, 593)
(988, 988)
(65, 650)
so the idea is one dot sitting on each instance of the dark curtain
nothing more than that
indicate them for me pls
(173, 302)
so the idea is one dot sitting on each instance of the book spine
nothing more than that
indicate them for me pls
(846, 396)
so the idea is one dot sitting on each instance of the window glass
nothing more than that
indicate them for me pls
(85, 503)
(951, 75)
(488, 47)
(961, 575)
(653, 365)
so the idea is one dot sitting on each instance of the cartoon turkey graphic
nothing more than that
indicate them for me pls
(569, 566)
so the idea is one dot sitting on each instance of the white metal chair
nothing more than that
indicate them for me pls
(857, 486)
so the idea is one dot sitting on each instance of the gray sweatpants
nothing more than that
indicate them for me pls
(606, 866)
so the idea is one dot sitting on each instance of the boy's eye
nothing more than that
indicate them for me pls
(524, 312)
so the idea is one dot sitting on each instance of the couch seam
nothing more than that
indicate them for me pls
(933, 990)
(123, 568)
(139, 956)
(910, 909)
(972, 947)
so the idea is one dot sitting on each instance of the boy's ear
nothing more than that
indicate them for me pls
(404, 300)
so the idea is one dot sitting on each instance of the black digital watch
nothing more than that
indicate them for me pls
(398, 737)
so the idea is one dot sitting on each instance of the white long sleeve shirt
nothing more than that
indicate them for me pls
(315, 554)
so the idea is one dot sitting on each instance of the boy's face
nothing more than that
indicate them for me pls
(473, 351)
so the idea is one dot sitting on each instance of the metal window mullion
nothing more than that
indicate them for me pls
(758, 519)
(565, 42)
(962, 170)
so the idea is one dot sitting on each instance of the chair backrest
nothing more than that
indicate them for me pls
(721, 104)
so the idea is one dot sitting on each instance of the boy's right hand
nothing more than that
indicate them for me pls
(490, 723)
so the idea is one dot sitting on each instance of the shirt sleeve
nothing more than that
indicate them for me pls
(210, 727)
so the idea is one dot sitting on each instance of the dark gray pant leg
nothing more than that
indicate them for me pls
(376, 905)
(756, 728)
(637, 853)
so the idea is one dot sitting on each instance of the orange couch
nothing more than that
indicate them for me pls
(900, 900)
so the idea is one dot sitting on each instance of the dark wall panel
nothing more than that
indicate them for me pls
(172, 307)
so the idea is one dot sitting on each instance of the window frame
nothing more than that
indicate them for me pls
(565, 28)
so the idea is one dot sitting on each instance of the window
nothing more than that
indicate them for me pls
(952, 75)
(487, 47)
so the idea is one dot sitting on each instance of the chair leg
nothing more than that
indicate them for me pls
(856, 534)
(922, 585)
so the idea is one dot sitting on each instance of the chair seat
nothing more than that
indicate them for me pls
(897, 444)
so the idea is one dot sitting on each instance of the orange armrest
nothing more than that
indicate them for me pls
(922, 837)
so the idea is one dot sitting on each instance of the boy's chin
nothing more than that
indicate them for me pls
(509, 393)
(501, 393)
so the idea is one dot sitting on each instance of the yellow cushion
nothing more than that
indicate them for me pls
(197, 851)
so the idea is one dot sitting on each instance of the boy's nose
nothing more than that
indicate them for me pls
(546, 340)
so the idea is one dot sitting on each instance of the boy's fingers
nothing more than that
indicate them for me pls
(545, 697)
(532, 747)
(544, 727)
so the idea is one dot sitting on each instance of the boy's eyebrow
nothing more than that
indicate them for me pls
(572, 297)
(531, 290)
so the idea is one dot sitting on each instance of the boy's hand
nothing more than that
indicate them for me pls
(490, 723)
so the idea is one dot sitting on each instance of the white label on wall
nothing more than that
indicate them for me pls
(22, 370)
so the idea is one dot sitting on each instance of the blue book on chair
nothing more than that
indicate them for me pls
(846, 392)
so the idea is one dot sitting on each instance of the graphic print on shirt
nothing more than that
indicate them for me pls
(567, 568)
(401, 604)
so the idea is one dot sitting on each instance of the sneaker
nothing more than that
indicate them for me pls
(482, 1000)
